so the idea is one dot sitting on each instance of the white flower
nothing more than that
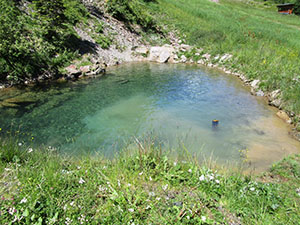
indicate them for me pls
(129, 185)
(175, 163)
(252, 189)
(7, 169)
(119, 183)
(20, 144)
(165, 187)
(72, 203)
(211, 177)
(104, 167)
(24, 200)
(150, 178)
(217, 181)
(148, 207)
(102, 189)
(151, 193)
(190, 170)
(11, 211)
(203, 218)
(131, 210)
(141, 173)
(202, 178)
(78, 167)
(68, 221)
(30, 150)
(188, 217)
(81, 181)
(158, 198)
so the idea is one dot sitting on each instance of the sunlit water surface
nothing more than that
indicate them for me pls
(173, 103)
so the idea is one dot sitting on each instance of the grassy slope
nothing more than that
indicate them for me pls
(265, 44)
(145, 187)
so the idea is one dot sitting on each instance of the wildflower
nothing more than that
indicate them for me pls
(11, 211)
(190, 170)
(211, 177)
(148, 207)
(151, 193)
(141, 173)
(217, 181)
(7, 169)
(30, 150)
(175, 163)
(150, 178)
(203, 218)
(165, 187)
(188, 217)
(104, 167)
(78, 167)
(68, 221)
(158, 198)
(24, 200)
(202, 178)
(252, 189)
(129, 185)
(119, 183)
(72, 203)
(20, 144)
(131, 210)
(81, 181)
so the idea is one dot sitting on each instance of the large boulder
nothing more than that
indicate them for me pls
(161, 54)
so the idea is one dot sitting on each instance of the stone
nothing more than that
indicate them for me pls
(184, 47)
(142, 50)
(260, 93)
(276, 103)
(85, 69)
(284, 116)
(275, 94)
(201, 61)
(206, 56)
(72, 70)
(255, 83)
(183, 59)
(225, 57)
(161, 54)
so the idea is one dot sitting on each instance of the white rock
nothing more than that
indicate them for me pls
(201, 61)
(183, 59)
(275, 94)
(260, 93)
(161, 54)
(255, 83)
(142, 50)
(206, 56)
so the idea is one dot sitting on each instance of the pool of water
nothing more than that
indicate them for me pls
(174, 103)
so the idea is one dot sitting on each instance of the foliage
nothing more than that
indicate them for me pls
(131, 12)
(141, 187)
(36, 39)
(297, 7)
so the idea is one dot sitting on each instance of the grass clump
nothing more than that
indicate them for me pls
(143, 187)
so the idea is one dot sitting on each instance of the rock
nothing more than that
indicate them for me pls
(284, 116)
(161, 54)
(275, 94)
(191, 61)
(206, 56)
(260, 93)
(183, 59)
(225, 57)
(2, 86)
(254, 84)
(215, 1)
(85, 69)
(201, 61)
(276, 103)
(72, 70)
(184, 47)
(142, 50)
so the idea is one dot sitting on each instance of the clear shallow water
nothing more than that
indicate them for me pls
(175, 103)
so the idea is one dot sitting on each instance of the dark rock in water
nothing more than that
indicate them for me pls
(259, 132)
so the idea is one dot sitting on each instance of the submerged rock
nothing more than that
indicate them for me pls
(284, 116)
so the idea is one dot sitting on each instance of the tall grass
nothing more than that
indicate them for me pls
(144, 187)
(265, 44)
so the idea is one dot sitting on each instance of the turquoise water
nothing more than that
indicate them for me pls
(174, 103)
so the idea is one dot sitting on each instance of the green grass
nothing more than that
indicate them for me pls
(265, 44)
(144, 187)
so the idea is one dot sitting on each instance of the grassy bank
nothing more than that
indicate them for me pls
(265, 44)
(145, 187)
